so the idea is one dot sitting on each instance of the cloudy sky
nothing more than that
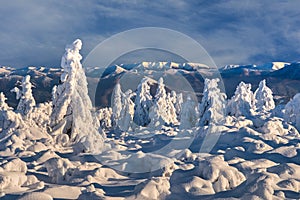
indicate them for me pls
(232, 32)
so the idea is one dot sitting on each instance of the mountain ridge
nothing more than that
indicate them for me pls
(283, 78)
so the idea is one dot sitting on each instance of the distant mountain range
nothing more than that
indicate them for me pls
(282, 78)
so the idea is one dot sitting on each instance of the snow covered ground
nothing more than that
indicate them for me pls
(149, 145)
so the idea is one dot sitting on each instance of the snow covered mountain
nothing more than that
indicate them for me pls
(282, 78)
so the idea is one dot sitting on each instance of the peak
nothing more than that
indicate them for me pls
(272, 66)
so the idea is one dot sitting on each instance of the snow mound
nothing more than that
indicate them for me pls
(36, 196)
(155, 188)
(212, 175)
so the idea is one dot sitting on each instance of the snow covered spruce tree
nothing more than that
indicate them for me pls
(189, 115)
(127, 112)
(72, 116)
(9, 120)
(212, 107)
(3, 104)
(178, 104)
(163, 110)
(171, 110)
(292, 111)
(242, 103)
(104, 116)
(143, 102)
(117, 104)
(26, 102)
(264, 101)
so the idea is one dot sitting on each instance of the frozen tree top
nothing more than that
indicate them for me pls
(3, 104)
(264, 98)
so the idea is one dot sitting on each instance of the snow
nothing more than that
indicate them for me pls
(212, 107)
(242, 103)
(143, 102)
(292, 111)
(117, 104)
(263, 95)
(189, 114)
(163, 110)
(27, 102)
(72, 107)
(148, 146)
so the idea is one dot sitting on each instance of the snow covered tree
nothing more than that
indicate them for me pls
(212, 107)
(178, 104)
(171, 111)
(27, 102)
(161, 98)
(292, 111)
(117, 104)
(104, 115)
(160, 104)
(189, 114)
(3, 104)
(9, 120)
(164, 107)
(241, 104)
(127, 112)
(263, 95)
(72, 106)
(143, 102)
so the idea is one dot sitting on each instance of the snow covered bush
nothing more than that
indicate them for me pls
(263, 95)
(241, 104)
(143, 102)
(212, 107)
(292, 111)
(72, 106)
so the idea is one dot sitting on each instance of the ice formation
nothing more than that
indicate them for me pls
(213, 103)
(72, 107)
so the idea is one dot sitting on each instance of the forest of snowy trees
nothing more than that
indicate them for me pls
(70, 119)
